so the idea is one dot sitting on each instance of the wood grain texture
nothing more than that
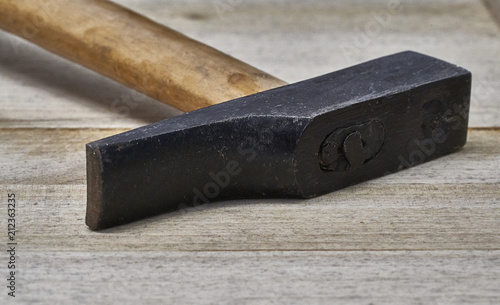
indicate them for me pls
(291, 40)
(360, 277)
(447, 204)
(135, 51)
(427, 235)
(494, 8)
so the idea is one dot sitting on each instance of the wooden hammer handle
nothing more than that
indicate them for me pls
(134, 51)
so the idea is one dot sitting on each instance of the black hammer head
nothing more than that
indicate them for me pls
(297, 141)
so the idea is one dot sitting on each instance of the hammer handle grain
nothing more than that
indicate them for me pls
(135, 51)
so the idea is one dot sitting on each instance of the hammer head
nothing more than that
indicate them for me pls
(297, 141)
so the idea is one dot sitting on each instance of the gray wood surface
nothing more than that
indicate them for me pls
(494, 7)
(293, 40)
(427, 235)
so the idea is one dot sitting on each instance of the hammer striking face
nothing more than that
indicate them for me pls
(297, 141)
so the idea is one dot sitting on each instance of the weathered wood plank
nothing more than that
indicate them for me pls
(368, 217)
(494, 8)
(46, 156)
(295, 41)
(438, 277)
(448, 204)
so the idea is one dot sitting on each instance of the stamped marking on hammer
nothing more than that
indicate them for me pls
(350, 147)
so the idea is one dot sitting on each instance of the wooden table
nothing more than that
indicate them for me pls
(427, 235)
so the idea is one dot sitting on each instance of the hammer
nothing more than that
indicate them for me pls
(248, 134)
